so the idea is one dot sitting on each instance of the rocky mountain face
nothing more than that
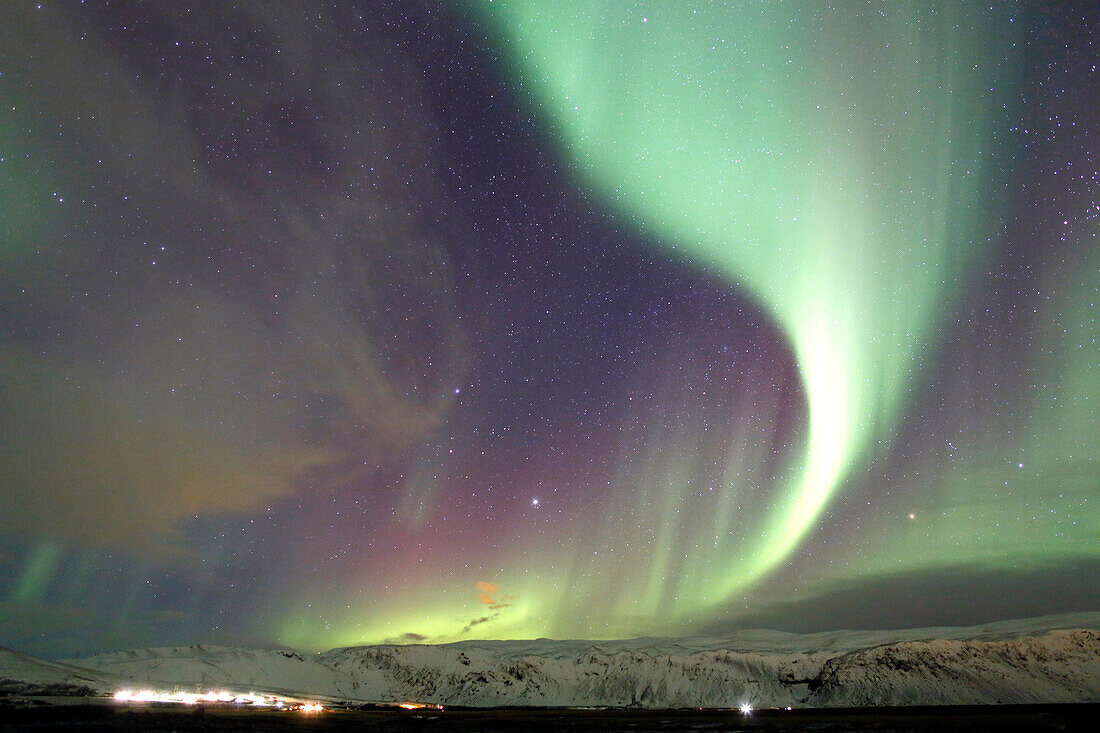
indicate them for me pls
(1059, 666)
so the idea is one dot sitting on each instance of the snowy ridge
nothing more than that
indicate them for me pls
(1046, 660)
(1058, 667)
(21, 674)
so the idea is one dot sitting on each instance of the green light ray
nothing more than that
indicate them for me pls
(834, 162)
(1019, 497)
(37, 573)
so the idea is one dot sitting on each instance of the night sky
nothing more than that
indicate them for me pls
(335, 323)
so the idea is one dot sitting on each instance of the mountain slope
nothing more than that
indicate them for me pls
(21, 674)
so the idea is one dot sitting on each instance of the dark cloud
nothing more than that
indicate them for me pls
(94, 468)
(479, 621)
(408, 637)
(962, 595)
(57, 630)
(224, 324)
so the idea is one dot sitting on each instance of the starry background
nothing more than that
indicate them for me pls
(337, 323)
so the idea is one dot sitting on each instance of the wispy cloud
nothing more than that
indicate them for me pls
(487, 590)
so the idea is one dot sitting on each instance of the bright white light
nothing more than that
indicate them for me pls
(746, 709)
(192, 698)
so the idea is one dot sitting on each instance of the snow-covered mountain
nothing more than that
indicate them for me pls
(1046, 660)
(21, 674)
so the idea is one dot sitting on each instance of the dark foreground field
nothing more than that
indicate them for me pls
(925, 720)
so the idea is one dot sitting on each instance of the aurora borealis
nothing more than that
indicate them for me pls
(359, 322)
(830, 193)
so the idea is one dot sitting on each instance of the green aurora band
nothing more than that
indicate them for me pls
(837, 163)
